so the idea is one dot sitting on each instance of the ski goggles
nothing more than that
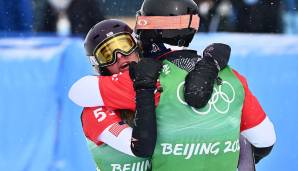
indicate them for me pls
(105, 53)
(168, 22)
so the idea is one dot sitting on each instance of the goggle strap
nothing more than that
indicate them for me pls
(190, 21)
(168, 22)
(93, 60)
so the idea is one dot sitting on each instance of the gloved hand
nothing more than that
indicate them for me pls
(219, 52)
(145, 73)
(199, 82)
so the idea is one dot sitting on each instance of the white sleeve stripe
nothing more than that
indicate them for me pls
(85, 92)
(120, 142)
(262, 135)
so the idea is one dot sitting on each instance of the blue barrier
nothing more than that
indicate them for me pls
(40, 128)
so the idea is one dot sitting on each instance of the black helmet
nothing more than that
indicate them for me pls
(101, 32)
(177, 37)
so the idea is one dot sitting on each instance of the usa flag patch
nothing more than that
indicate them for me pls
(117, 128)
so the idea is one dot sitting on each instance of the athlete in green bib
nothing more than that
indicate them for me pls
(188, 138)
(198, 139)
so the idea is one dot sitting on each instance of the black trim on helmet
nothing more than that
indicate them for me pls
(181, 37)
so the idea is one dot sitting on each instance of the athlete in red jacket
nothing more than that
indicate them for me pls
(255, 125)
(110, 34)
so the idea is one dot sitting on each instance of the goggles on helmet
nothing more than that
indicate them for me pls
(105, 53)
(168, 22)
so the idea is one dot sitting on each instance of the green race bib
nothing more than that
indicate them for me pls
(198, 139)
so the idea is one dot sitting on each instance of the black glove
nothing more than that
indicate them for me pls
(145, 73)
(200, 81)
(144, 130)
(220, 53)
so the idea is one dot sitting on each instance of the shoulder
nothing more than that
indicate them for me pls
(240, 77)
(85, 92)
(96, 119)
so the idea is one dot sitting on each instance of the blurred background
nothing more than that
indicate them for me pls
(42, 55)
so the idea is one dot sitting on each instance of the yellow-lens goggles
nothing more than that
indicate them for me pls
(105, 53)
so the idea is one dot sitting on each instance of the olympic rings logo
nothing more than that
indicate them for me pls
(218, 94)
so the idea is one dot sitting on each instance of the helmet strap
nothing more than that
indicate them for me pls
(168, 22)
